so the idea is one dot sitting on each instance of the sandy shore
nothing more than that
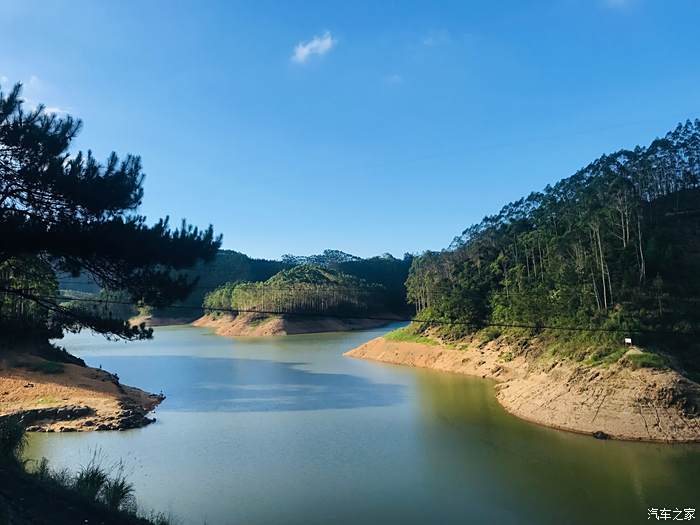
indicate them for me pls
(265, 325)
(61, 397)
(617, 401)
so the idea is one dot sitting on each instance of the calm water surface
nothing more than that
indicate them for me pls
(285, 430)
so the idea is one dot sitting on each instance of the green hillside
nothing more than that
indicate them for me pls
(301, 289)
(613, 250)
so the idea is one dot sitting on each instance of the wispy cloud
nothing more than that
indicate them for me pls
(436, 38)
(34, 83)
(55, 110)
(4, 79)
(318, 45)
(394, 78)
(34, 92)
(617, 4)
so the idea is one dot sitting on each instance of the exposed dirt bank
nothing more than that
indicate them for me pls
(615, 401)
(66, 397)
(250, 324)
(149, 320)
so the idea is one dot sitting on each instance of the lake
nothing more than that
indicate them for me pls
(285, 430)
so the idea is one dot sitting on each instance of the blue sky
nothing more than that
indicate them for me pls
(369, 127)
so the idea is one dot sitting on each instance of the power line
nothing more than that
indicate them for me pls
(237, 311)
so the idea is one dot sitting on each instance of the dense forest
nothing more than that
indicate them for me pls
(228, 265)
(385, 269)
(302, 289)
(231, 268)
(613, 249)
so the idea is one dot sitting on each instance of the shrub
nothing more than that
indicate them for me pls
(118, 492)
(91, 478)
(42, 470)
(647, 360)
(12, 438)
(490, 333)
(408, 334)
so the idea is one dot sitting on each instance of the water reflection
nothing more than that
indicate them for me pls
(251, 385)
(536, 471)
(287, 430)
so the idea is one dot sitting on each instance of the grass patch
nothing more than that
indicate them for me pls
(407, 335)
(47, 401)
(605, 355)
(507, 356)
(647, 360)
(489, 334)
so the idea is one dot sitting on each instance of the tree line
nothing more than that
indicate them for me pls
(615, 245)
(301, 289)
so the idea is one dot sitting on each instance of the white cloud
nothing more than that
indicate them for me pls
(54, 110)
(34, 92)
(4, 79)
(318, 45)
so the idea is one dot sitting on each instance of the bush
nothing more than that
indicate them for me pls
(490, 333)
(107, 487)
(117, 492)
(12, 438)
(409, 334)
(91, 478)
(42, 470)
(647, 360)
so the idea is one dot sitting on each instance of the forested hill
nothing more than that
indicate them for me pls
(230, 268)
(615, 246)
(301, 289)
(385, 269)
(234, 267)
(227, 265)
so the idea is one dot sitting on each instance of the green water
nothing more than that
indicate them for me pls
(286, 430)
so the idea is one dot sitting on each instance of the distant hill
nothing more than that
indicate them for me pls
(234, 267)
(327, 258)
(386, 270)
(301, 289)
(228, 265)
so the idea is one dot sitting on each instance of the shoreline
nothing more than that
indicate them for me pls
(50, 396)
(263, 325)
(616, 402)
